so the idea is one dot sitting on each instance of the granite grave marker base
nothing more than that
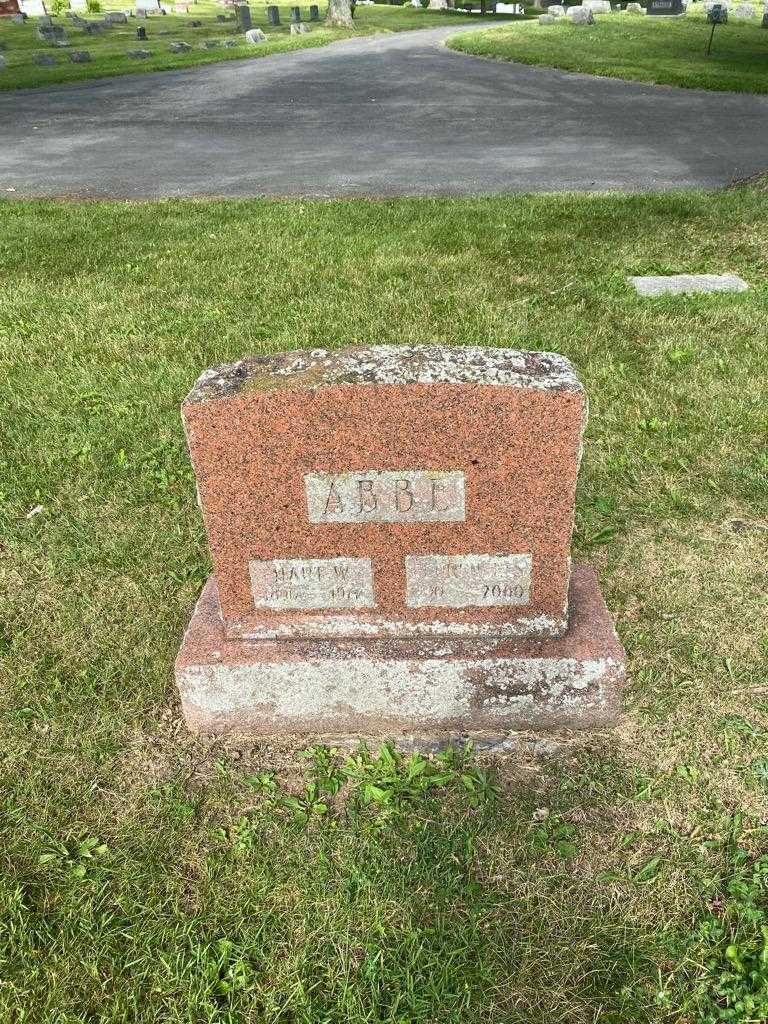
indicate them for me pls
(390, 531)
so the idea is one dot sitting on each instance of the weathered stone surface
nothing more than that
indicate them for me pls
(115, 18)
(438, 5)
(298, 28)
(210, 44)
(390, 453)
(597, 6)
(79, 56)
(680, 284)
(255, 35)
(580, 15)
(54, 35)
(556, 10)
(138, 54)
(635, 9)
(398, 687)
(179, 47)
(547, 19)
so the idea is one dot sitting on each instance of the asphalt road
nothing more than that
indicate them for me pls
(387, 115)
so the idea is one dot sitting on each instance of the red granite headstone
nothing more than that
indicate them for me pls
(374, 505)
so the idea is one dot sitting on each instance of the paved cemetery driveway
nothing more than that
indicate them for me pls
(389, 115)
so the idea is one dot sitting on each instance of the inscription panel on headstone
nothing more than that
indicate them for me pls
(467, 581)
(386, 496)
(304, 584)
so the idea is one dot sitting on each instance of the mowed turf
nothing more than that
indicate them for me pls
(150, 877)
(667, 51)
(109, 49)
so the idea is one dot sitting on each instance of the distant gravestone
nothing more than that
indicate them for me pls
(115, 18)
(255, 35)
(44, 60)
(744, 11)
(148, 6)
(666, 8)
(438, 5)
(181, 8)
(765, 18)
(314, 12)
(686, 284)
(296, 15)
(298, 28)
(138, 54)
(556, 10)
(54, 35)
(273, 14)
(243, 12)
(547, 19)
(597, 6)
(141, 33)
(210, 44)
(179, 47)
(391, 530)
(33, 8)
(79, 56)
(635, 9)
(581, 15)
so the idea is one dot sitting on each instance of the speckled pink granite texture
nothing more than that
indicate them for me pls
(398, 687)
(511, 422)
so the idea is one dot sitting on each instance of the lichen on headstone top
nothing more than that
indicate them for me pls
(388, 364)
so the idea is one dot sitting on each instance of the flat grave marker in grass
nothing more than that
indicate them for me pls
(686, 284)
(390, 530)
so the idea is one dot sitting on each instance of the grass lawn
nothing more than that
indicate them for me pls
(109, 49)
(151, 877)
(668, 51)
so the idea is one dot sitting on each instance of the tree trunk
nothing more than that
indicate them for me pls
(339, 14)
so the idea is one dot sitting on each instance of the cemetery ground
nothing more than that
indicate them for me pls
(667, 51)
(151, 876)
(109, 49)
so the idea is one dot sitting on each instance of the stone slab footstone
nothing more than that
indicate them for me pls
(390, 531)
(255, 35)
(392, 687)
(687, 284)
